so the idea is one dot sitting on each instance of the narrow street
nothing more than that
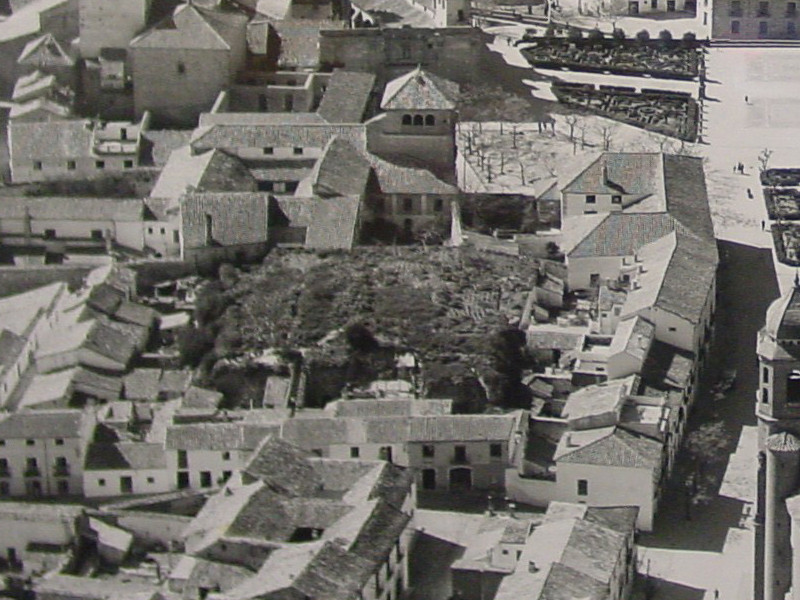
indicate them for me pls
(690, 558)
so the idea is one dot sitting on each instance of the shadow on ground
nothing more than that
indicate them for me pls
(653, 588)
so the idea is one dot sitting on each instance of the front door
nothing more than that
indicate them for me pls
(633, 8)
(461, 479)
(183, 480)
(429, 479)
(126, 485)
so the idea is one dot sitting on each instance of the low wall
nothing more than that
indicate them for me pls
(16, 280)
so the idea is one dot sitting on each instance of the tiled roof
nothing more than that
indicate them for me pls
(462, 428)
(593, 550)
(598, 399)
(142, 384)
(158, 144)
(86, 588)
(215, 575)
(187, 28)
(688, 281)
(341, 170)
(687, 198)
(236, 217)
(329, 222)
(629, 173)
(108, 340)
(304, 135)
(334, 574)
(622, 234)
(260, 32)
(47, 388)
(105, 298)
(45, 50)
(95, 384)
(138, 314)
(397, 179)
(72, 209)
(387, 407)
(125, 455)
(315, 433)
(283, 467)
(43, 424)
(420, 90)
(299, 42)
(205, 436)
(42, 140)
(210, 171)
(633, 336)
(197, 397)
(618, 449)
(11, 345)
(45, 104)
(33, 85)
(380, 532)
(551, 338)
(621, 519)
(566, 583)
(346, 97)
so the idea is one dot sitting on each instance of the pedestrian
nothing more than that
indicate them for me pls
(735, 167)
(716, 594)
(746, 100)
(749, 194)
(763, 226)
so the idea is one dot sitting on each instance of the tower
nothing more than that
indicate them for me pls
(778, 413)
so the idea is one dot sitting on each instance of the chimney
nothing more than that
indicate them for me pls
(605, 174)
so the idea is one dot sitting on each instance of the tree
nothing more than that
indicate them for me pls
(193, 345)
(690, 37)
(574, 34)
(595, 35)
(506, 352)
(618, 34)
(763, 159)
(706, 444)
(665, 35)
(607, 133)
(228, 275)
(211, 303)
(571, 121)
(643, 36)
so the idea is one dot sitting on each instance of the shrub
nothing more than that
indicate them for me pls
(595, 35)
(689, 36)
(360, 338)
(665, 35)
(574, 34)
(211, 303)
(618, 34)
(643, 36)
(228, 275)
(193, 345)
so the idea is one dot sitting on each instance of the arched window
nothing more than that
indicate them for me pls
(406, 119)
(417, 119)
(430, 120)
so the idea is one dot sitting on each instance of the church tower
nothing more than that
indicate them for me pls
(778, 413)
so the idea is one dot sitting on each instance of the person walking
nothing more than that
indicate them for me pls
(763, 226)
(746, 100)
(716, 594)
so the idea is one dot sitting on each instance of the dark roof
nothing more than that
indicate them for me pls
(11, 345)
(197, 397)
(346, 97)
(333, 574)
(299, 47)
(688, 281)
(667, 367)
(687, 198)
(105, 298)
(110, 342)
(92, 383)
(125, 455)
(593, 549)
(341, 171)
(215, 575)
(621, 519)
(633, 173)
(160, 143)
(205, 436)
(142, 384)
(379, 534)
(330, 222)
(462, 428)
(283, 467)
(566, 583)
(43, 424)
(393, 485)
(236, 218)
(138, 314)
(622, 234)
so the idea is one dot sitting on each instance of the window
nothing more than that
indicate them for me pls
(183, 459)
(128, 164)
(226, 475)
(268, 150)
(176, 236)
(590, 212)
(763, 9)
(735, 26)
(226, 455)
(438, 205)
(496, 450)
(408, 205)
(791, 29)
(30, 442)
(59, 442)
(616, 199)
(671, 329)
(355, 452)
(791, 9)
(2, 442)
(3, 467)
(163, 231)
(316, 452)
(583, 487)
(180, 68)
(765, 396)
(37, 165)
(151, 480)
(63, 487)
(265, 186)
(428, 451)
(591, 199)
(736, 8)
(97, 234)
(762, 28)
(71, 165)
(298, 150)
(205, 478)
(406, 119)
(5, 488)
(430, 120)
(460, 454)
(150, 230)
(385, 453)
(405, 51)
(765, 375)
(418, 121)
(100, 164)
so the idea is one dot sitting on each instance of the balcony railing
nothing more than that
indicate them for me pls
(33, 472)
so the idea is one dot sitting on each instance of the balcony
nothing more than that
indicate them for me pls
(61, 471)
(32, 472)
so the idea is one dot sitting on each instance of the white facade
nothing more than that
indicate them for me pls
(106, 24)
(115, 482)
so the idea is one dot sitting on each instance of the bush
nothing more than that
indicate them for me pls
(193, 345)
(665, 35)
(211, 303)
(595, 35)
(228, 275)
(689, 36)
(643, 36)
(574, 34)
(618, 34)
(359, 338)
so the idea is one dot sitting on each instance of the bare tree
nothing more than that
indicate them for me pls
(763, 159)
(607, 133)
(572, 122)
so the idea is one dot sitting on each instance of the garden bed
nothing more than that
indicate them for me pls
(786, 237)
(672, 113)
(780, 177)
(782, 203)
(676, 60)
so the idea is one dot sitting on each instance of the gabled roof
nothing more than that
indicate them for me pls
(330, 223)
(282, 467)
(26, 109)
(627, 173)
(397, 179)
(45, 50)
(346, 97)
(420, 90)
(110, 342)
(42, 140)
(34, 85)
(27, 20)
(210, 171)
(689, 277)
(43, 424)
(443, 428)
(72, 209)
(236, 218)
(685, 191)
(11, 345)
(277, 135)
(341, 170)
(619, 448)
(124, 456)
(622, 234)
(214, 436)
(188, 27)
(299, 42)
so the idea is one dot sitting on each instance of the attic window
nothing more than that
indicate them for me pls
(298, 150)
(616, 199)
(181, 68)
(306, 534)
(268, 150)
(591, 199)
(59, 442)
